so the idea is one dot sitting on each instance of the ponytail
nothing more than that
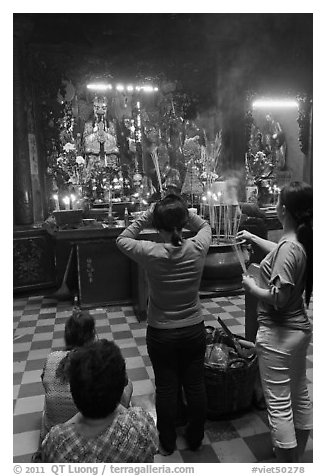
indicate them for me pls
(298, 199)
(305, 237)
(176, 238)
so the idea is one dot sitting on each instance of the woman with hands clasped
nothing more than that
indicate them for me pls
(284, 331)
(176, 337)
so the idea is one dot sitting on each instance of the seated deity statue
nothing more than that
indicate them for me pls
(100, 131)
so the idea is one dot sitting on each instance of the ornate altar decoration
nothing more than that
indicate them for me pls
(192, 185)
(265, 157)
(66, 164)
(101, 153)
(120, 146)
(100, 136)
(84, 161)
(305, 123)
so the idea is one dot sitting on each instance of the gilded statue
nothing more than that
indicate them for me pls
(100, 136)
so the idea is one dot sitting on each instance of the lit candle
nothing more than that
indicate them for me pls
(66, 201)
(56, 201)
(73, 202)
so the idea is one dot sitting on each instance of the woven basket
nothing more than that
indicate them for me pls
(230, 390)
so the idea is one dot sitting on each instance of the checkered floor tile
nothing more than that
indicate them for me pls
(38, 329)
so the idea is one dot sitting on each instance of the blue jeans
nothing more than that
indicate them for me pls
(282, 364)
(177, 356)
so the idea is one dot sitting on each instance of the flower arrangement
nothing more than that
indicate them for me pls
(68, 170)
(71, 172)
(66, 165)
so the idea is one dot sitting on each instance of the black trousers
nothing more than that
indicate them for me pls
(177, 356)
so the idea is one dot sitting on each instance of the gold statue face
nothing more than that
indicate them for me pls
(100, 106)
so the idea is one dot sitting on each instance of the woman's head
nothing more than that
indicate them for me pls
(296, 201)
(97, 376)
(171, 215)
(79, 329)
(297, 198)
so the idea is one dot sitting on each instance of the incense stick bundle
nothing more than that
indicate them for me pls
(211, 216)
(230, 219)
(224, 222)
(240, 257)
(237, 219)
(219, 221)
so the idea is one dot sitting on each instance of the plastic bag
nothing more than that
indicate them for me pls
(217, 354)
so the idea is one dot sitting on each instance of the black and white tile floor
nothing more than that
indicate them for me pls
(38, 329)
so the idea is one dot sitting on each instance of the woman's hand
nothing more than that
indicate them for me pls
(248, 283)
(149, 214)
(244, 235)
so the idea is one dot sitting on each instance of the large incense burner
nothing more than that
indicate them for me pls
(223, 267)
(227, 257)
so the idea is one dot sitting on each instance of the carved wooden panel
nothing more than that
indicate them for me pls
(104, 273)
(33, 263)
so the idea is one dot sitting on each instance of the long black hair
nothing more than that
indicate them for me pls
(297, 197)
(79, 331)
(171, 214)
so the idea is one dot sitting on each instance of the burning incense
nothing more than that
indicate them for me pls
(223, 209)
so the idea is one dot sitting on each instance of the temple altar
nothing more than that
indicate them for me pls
(98, 273)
